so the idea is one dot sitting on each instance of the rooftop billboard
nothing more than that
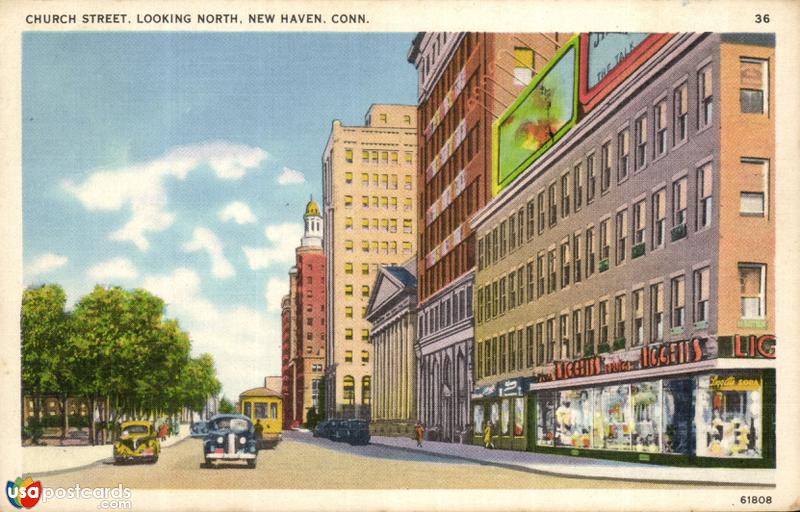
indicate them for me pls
(543, 112)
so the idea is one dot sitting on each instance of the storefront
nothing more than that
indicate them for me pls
(676, 405)
(504, 407)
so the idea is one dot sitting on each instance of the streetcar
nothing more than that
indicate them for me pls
(264, 407)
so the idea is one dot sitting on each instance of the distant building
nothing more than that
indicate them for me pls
(465, 81)
(369, 187)
(273, 382)
(305, 310)
(392, 311)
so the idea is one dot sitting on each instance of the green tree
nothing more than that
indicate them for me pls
(226, 407)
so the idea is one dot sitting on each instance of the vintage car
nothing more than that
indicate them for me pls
(199, 429)
(137, 441)
(356, 431)
(230, 437)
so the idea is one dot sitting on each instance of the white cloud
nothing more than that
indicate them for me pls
(283, 238)
(113, 270)
(238, 212)
(290, 177)
(45, 263)
(140, 187)
(204, 239)
(244, 342)
(276, 289)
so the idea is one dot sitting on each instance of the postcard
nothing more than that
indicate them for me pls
(399, 255)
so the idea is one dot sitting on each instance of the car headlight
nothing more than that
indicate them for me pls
(242, 440)
(220, 440)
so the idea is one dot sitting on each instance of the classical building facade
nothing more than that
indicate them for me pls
(392, 311)
(306, 308)
(465, 80)
(621, 309)
(369, 187)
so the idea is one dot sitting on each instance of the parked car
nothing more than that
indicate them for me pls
(199, 429)
(356, 431)
(230, 437)
(137, 441)
(338, 430)
(322, 429)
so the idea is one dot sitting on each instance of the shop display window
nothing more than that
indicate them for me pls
(494, 415)
(646, 407)
(678, 397)
(519, 416)
(477, 416)
(574, 418)
(505, 411)
(545, 418)
(613, 422)
(728, 415)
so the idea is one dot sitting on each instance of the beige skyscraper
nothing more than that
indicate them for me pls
(369, 186)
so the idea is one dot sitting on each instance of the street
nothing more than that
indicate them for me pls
(304, 462)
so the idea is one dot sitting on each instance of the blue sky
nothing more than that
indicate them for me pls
(181, 162)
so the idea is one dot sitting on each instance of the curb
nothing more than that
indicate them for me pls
(526, 469)
(104, 460)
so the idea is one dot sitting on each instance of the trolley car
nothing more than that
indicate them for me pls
(264, 407)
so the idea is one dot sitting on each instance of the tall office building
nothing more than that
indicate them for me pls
(369, 187)
(465, 81)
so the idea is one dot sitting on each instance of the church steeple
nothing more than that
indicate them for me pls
(313, 225)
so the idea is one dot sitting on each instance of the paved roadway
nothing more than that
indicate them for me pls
(304, 462)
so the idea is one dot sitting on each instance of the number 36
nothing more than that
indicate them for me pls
(762, 18)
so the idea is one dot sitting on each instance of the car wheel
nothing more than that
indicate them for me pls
(117, 460)
(251, 463)
(154, 459)
(207, 464)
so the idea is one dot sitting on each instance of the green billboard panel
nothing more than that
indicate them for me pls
(543, 112)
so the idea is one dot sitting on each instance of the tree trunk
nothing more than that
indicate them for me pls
(92, 426)
(64, 417)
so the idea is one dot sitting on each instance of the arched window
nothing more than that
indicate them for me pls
(365, 390)
(349, 389)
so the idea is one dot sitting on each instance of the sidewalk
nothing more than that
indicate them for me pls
(599, 469)
(44, 459)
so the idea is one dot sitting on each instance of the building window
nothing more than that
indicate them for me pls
(348, 155)
(383, 118)
(619, 320)
(502, 291)
(348, 289)
(551, 204)
(590, 252)
(348, 246)
(605, 171)
(407, 226)
(348, 201)
(605, 246)
(523, 65)
(348, 223)
(624, 149)
(753, 201)
(407, 181)
(622, 235)
(512, 233)
(577, 181)
(540, 274)
(602, 311)
(563, 331)
(530, 355)
(704, 202)
(349, 385)
(540, 352)
(365, 246)
(678, 294)
(753, 80)
(348, 311)
(565, 264)
(406, 203)
(531, 221)
(637, 298)
(348, 356)
(348, 268)
(551, 338)
(701, 294)
(565, 195)
(479, 317)
(364, 355)
(364, 290)
(348, 177)
(659, 218)
(495, 245)
(752, 283)
(531, 283)
(348, 334)
(520, 226)
(577, 251)
(551, 271)
(641, 141)
(681, 105)
(679, 202)
(661, 128)
(503, 239)
(495, 299)
(591, 179)
(364, 159)
(366, 389)
(588, 320)
(657, 312)
(364, 269)
(540, 211)
(480, 254)
(512, 351)
(706, 96)
(577, 333)
(512, 291)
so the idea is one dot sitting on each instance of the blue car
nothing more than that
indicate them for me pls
(199, 429)
(230, 437)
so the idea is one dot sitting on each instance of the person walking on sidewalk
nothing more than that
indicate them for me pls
(418, 433)
(487, 435)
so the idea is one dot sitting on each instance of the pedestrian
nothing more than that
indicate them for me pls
(418, 433)
(487, 435)
(162, 431)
